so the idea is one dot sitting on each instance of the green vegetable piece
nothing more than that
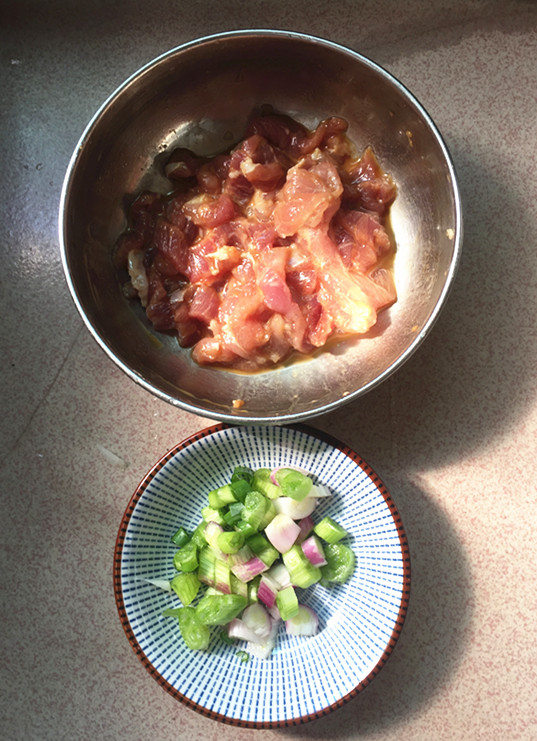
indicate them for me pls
(207, 559)
(209, 514)
(293, 483)
(270, 514)
(242, 473)
(238, 586)
(198, 537)
(218, 498)
(263, 549)
(195, 634)
(230, 541)
(240, 489)
(287, 603)
(181, 537)
(253, 587)
(222, 576)
(233, 514)
(220, 609)
(261, 482)
(186, 558)
(245, 528)
(186, 587)
(255, 507)
(302, 572)
(340, 563)
(243, 656)
(329, 530)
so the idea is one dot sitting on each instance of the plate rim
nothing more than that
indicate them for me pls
(129, 632)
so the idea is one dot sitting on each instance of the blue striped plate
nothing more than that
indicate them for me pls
(305, 677)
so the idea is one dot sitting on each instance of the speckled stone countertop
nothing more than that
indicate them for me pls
(453, 433)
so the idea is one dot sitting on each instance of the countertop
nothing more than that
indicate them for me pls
(453, 433)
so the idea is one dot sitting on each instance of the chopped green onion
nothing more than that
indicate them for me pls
(340, 563)
(242, 473)
(302, 572)
(261, 482)
(287, 603)
(255, 506)
(293, 483)
(240, 489)
(218, 498)
(198, 537)
(329, 530)
(233, 514)
(180, 537)
(220, 609)
(263, 549)
(186, 587)
(195, 634)
(230, 542)
(243, 656)
(186, 558)
(210, 514)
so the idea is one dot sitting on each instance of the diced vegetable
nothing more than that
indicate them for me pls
(329, 530)
(261, 482)
(185, 586)
(294, 509)
(219, 609)
(313, 550)
(287, 603)
(230, 542)
(220, 497)
(293, 483)
(340, 563)
(282, 532)
(263, 549)
(304, 623)
(186, 558)
(180, 537)
(302, 572)
(255, 546)
(195, 634)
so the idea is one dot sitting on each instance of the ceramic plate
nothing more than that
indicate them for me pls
(359, 622)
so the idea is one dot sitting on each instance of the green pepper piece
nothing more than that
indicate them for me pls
(195, 634)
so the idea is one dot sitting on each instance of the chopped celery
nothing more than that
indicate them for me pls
(302, 572)
(329, 530)
(220, 609)
(261, 482)
(218, 498)
(186, 558)
(230, 542)
(195, 634)
(340, 563)
(186, 587)
(293, 483)
(263, 549)
(287, 603)
(253, 588)
(180, 537)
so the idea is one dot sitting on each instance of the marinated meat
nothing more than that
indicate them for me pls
(274, 248)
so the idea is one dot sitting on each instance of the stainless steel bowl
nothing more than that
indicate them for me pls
(200, 95)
